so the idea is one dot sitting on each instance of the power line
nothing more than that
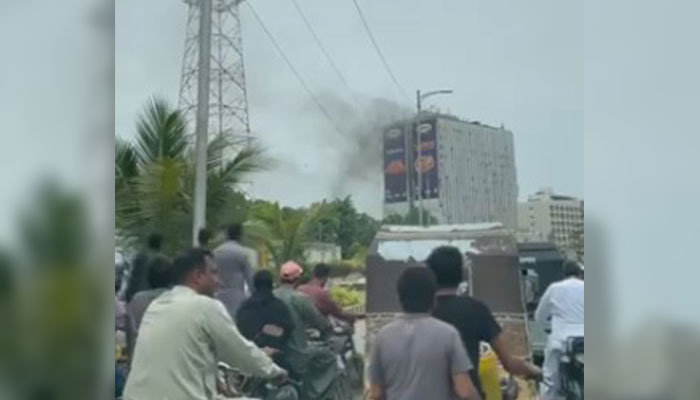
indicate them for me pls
(294, 70)
(321, 46)
(379, 52)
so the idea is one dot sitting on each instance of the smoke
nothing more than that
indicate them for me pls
(317, 159)
(357, 147)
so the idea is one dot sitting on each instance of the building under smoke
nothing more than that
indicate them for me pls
(468, 169)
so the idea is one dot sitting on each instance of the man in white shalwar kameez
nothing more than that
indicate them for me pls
(185, 333)
(563, 303)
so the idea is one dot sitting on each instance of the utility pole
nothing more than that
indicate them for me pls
(202, 122)
(419, 159)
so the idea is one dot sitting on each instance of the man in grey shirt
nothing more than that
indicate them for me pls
(418, 357)
(236, 264)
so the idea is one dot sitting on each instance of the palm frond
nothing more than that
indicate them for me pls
(161, 133)
(125, 166)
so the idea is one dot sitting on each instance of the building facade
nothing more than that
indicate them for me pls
(468, 170)
(547, 216)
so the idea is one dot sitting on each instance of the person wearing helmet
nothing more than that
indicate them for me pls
(316, 364)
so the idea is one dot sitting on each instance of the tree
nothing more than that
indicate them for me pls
(284, 231)
(411, 218)
(346, 227)
(154, 178)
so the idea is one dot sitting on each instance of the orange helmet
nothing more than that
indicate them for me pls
(291, 271)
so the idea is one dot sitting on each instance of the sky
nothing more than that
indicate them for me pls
(519, 64)
(536, 67)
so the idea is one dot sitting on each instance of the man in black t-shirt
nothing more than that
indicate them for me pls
(471, 317)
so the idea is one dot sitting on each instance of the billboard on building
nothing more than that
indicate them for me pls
(395, 169)
(427, 159)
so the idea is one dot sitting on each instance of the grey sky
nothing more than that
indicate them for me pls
(508, 62)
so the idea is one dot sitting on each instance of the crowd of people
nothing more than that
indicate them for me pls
(184, 317)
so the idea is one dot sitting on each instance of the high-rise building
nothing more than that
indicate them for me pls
(551, 217)
(468, 170)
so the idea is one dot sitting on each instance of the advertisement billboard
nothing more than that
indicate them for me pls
(426, 159)
(395, 169)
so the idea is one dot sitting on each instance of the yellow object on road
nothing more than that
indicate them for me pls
(489, 374)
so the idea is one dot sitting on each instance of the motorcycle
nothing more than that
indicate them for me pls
(571, 369)
(234, 385)
(350, 364)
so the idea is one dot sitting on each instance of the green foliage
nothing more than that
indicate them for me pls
(346, 297)
(52, 301)
(346, 227)
(154, 179)
(411, 218)
(284, 231)
(346, 267)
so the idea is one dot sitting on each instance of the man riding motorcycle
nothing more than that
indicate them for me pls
(316, 289)
(563, 302)
(316, 364)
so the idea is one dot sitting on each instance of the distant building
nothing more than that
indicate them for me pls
(469, 173)
(547, 216)
(318, 252)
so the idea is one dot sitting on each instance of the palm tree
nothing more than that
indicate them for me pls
(284, 232)
(154, 177)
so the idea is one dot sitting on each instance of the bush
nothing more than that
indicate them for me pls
(344, 268)
(346, 297)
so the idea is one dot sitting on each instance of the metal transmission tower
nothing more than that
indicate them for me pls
(228, 98)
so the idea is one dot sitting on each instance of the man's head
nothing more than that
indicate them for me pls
(203, 237)
(160, 272)
(416, 288)
(572, 269)
(262, 281)
(322, 272)
(197, 270)
(291, 272)
(155, 241)
(446, 262)
(234, 232)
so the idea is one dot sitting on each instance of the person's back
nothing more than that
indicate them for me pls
(295, 303)
(236, 270)
(474, 322)
(316, 364)
(138, 278)
(416, 357)
(316, 290)
(564, 303)
(471, 317)
(263, 310)
(159, 279)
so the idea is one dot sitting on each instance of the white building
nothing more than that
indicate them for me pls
(318, 252)
(548, 216)
(469, 173)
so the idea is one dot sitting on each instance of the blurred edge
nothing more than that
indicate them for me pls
(56, 340)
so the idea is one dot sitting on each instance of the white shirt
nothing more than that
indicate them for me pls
(563, 302)
(182, 337)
